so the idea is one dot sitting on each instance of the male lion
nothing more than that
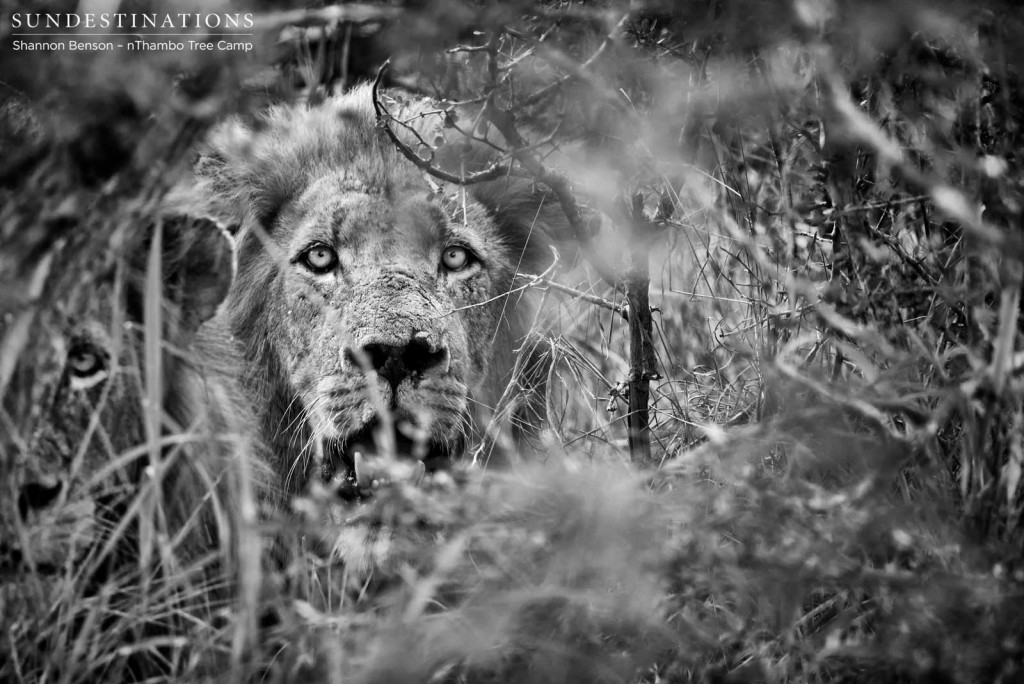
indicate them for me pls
(137, 463)
(374, 303)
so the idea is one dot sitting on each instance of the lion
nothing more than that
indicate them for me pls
(140, 461)
(379, 308)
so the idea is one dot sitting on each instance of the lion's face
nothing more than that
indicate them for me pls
(386, 305)
(80, 399)
(373, 300)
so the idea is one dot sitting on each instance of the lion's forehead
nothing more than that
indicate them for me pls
(414, 219)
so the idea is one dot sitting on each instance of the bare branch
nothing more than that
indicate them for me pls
(578, 72)
(559, 185)
(542, 282)
(384, 118)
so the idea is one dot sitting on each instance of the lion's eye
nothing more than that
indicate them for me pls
(85, 361)
(320, 258)
(455, 258)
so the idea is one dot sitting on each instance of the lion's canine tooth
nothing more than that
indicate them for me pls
(357, 468)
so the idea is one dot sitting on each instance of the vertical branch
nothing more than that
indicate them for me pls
(638, 420)
(641, 347)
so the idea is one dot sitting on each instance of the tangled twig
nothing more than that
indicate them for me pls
(384, 118)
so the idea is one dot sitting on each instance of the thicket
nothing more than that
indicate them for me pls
(783, 432)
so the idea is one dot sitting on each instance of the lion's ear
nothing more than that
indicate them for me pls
(217, 164)
(198, 268)
(249, 173)
(196, 201)
(529, 217)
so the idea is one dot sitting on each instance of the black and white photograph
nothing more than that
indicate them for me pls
(512, 341)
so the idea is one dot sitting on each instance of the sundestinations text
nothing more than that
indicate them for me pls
(132, 20)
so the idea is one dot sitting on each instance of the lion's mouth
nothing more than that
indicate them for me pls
(365, 460)
(12, 562)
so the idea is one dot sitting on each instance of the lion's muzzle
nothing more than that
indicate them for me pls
(416, 358)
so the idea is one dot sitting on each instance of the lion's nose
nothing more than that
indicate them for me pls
(396, 362)
(35, 496)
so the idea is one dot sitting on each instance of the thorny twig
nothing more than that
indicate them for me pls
(576, 70)
(384, 118)
(534, 279)
(559, 185)
(543, 282)
(552, 87)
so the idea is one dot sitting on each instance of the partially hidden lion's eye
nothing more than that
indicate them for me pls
(85, 361)
(319, 258)
(456, 258)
